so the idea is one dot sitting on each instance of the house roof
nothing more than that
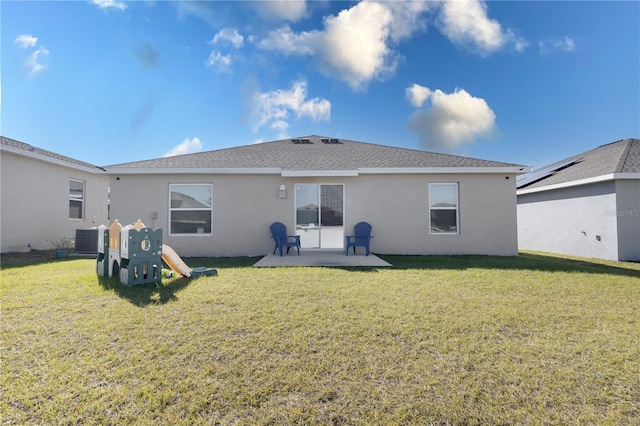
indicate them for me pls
(310, 153)
(620, 157)
(24, 149)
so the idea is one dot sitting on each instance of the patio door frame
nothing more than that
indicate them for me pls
(318, 235)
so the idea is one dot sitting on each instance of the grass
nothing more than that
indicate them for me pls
(434, 340)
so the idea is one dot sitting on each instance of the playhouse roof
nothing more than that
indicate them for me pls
(311, 153)
(622, 156)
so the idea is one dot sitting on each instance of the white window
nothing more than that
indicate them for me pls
(443, 208)
(76, 199)
(191, 209)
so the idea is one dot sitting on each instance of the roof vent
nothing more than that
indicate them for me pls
(301, 141)
(330, 141)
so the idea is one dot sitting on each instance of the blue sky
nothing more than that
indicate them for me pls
(107, 82)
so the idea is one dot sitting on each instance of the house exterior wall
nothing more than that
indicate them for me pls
(576, 221)
(35, 202)
(628, 217)
(398, 208)
(395, 204)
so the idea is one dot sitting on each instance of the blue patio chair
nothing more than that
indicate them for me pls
(362, 238)
(279, 234)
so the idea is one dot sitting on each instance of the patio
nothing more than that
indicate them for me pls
(319, 257)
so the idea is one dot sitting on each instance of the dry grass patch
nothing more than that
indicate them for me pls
(441, 340)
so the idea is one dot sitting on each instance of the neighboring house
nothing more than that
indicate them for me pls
(46, 196)
(586, 205)
(221, 203)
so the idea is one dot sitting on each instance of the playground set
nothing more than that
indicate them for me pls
(135, 253)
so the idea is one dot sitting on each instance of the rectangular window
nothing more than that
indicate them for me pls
(443, 208)
(191, 209)
(76, 199)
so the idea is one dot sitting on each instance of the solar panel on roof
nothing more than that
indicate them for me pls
(544, 172)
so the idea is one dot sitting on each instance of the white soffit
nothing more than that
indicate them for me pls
(189, 171)
(315, 173)
(445, 170)
(318, 173)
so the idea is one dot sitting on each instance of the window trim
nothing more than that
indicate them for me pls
(456, 208)
(172, 209)
(82, 199)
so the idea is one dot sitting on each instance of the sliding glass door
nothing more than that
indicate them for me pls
(319, 215)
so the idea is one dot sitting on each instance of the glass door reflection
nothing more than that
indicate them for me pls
(320, 215)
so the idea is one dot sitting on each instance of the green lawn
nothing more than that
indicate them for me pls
(433, 340)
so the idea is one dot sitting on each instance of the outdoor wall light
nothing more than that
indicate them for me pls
(282, 192)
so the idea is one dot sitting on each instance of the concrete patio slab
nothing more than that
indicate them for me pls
(321, 258)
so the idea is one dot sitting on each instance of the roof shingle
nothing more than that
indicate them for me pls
(622, 156)
(320, 153)
(30, 149)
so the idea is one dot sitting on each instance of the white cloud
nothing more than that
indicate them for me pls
(417, 94)
(273, 108)
(228, 35)
(34, 63)
(280, 127)
(452, 120)
(109, 4)
(26, 40)
(562, 44)
(219, 62)
(465, 22)
(408, 17)
(288, 10)
(187, 146)
(286, 41)
(355, 45)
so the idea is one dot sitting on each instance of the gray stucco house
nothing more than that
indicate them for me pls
(221, 203)
(585, 205)
(46, 196)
